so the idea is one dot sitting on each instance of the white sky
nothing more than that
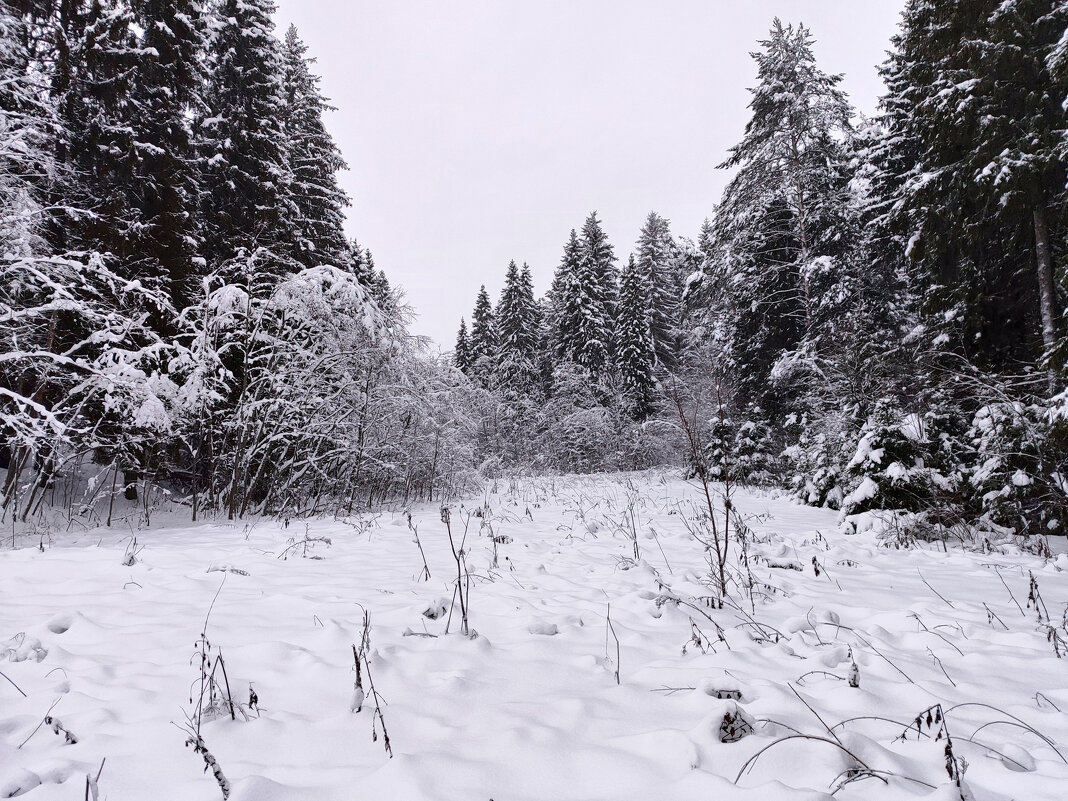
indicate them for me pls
(479, 131)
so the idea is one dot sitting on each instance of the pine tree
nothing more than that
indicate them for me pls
(656, 264)
(247, 205)
(785, 227)
(314, 161)
(461, 354)
(637, 354)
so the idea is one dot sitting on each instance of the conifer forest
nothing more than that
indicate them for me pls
(764, 510)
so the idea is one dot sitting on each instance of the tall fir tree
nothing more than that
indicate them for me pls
(484, 340)
(637, 354)
(656, 264)
(314, 161)
(165, 185)
(26, 147)
(558, 297)
(247, 203)
(461, 354)
(585, 299)
(92, 86)
(971, 173)
(517, 325)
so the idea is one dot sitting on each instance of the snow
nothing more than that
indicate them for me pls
(530, 707)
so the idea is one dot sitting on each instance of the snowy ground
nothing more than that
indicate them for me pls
(529, 709)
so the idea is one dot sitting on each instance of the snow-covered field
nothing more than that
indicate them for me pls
(530, 708)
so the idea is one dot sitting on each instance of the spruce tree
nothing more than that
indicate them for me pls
(517, 327)
(484, 341)
(461, 354)
(564, 281)
(247, 204)
(165, 186)
(970, 169)
(585, 297)
(597, 266)
(92, 84)
(655, 262)
(637, 354)
(26, 148)
(314, 161)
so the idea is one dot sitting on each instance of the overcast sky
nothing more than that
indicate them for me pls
(479, 131)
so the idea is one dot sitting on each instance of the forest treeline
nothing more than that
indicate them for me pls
(872, 317)
(181, 314)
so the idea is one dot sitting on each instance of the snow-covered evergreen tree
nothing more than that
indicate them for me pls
(656, 262)
(165, 185)
(585, 293)
(26, 149)
(461, 354)
(92, 87)
(564, 283)
(314, 161)
(248, 202)
(517, 327)
(484, 338)
(784, 224)
(637, 354)
(971, 168)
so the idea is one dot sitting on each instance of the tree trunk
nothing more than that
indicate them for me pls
(1044, 268)
(1046, 298)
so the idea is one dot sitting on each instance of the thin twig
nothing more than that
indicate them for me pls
(932, 589)
(1006, 586)
(13, 684)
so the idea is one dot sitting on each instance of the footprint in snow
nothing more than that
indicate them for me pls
(547, 629)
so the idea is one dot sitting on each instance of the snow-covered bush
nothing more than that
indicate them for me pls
(1021, 462)
(814, 463)
(756, 455)
(900, 466)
